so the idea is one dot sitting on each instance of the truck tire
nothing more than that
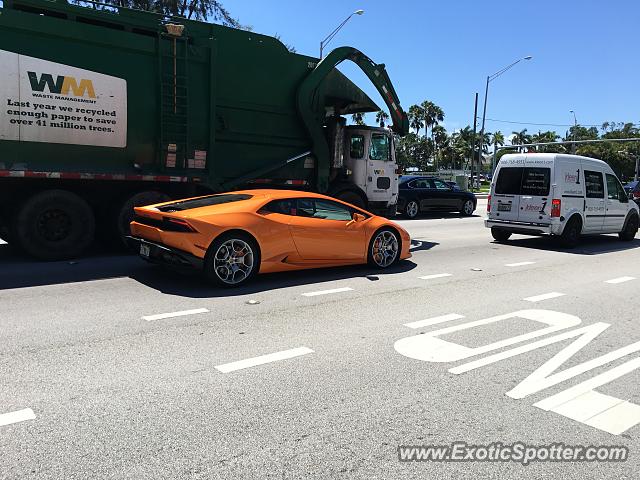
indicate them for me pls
(125, 213)
(353, 198)
(54, 225)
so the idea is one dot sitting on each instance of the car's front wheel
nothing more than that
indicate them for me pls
(232, 260)
(411, 209)
(384, 248)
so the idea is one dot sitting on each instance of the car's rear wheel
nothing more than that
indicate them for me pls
(411, 209)
(384, 248)
(232, 260)
(500, 235)
(467, 208)
(630, 229)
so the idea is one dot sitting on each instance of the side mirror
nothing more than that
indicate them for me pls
(358, 217)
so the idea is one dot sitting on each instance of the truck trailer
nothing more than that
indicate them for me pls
(106, 108)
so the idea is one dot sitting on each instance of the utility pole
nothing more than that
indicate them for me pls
(575, 130)
(473, 138)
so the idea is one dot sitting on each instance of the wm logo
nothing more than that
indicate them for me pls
(62, 85)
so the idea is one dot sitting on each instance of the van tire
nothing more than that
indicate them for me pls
(630, 229)
(571, 234)
(500, 235)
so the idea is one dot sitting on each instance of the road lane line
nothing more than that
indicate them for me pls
(620, 280)
(435, 275)
(518, 264)
(544, 296)
(327, 292)
(434, 320)
(17, 416)
(162, 316)
(2, 242)
(261, 360)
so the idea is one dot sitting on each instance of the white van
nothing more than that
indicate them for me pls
(556, 194)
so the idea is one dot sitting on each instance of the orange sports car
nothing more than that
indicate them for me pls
(233, 236)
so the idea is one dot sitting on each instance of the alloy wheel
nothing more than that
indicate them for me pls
(384, 249)
(233, 261)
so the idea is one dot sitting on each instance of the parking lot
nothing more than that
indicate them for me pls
(112, 368)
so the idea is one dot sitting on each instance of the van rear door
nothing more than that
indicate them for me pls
(535, 205)
(506, 194)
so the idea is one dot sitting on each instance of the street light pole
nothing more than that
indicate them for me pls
(324, 42)
(575, 128)
(486, 94)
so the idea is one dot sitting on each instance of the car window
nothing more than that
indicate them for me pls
(594, 184)
(440, 185)
(422, 184)
(285, 207)
(535, 181)
(324, 209)
(509, 180)
(612, 187)
(379, 147)
(357, 146)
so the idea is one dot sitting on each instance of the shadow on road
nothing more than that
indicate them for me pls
(589, 245)
(18, 271)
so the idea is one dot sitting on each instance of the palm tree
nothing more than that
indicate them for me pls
(416, 116)
(433, 115)
(497, 139)
(520, 138)
(358, 118)
(440, 137)
(381, 116)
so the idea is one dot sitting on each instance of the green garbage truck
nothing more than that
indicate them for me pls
(105, 108)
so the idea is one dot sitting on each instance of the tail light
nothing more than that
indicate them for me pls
(556, 203)
(489, 203)
(636, 194)
(177, 225)
(398, 171)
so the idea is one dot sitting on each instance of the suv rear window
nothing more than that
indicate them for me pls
(532, 181)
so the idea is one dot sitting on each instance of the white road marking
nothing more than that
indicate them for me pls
(436, 275)
(162, 316)
(17, 416)
(261, 360)
(327, 292)
(434, 320)
(617, 419)
(518, 264)
(620, 280)
(2, 242)
(544, 296)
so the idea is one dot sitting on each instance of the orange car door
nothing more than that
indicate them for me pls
(324, 230)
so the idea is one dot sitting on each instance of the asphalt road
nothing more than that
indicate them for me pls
(282, 379)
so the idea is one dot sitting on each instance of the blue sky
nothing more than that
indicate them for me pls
(584, 53)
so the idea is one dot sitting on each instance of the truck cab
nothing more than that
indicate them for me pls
(370, 164)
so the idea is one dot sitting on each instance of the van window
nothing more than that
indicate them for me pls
(357, 146)
(509, 180)
(612, 187)
(524, 181)
(594, 184)
(379, 147)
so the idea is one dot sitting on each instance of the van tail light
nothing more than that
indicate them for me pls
(398, 171)
(636, 194)
(556, 203)
(489, 203)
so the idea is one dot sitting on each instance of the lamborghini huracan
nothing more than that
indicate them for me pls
(231, 237)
